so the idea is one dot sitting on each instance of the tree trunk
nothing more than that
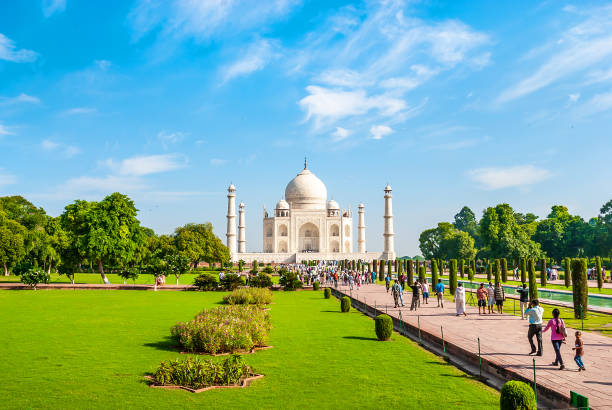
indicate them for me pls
(177, 279)
(101, 270)
(6, 272)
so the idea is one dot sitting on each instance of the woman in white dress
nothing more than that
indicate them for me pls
(460, 300)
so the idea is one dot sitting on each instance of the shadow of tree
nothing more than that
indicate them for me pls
(168, 344)
(360, 338)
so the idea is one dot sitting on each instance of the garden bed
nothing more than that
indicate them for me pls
(252, 350)
(243, 383)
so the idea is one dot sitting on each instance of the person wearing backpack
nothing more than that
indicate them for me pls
(558, 333)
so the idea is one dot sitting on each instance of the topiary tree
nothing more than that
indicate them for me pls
(290, 281)
(375, 265)
(462, 268)
(410, 271)
(240, 265)
(231, 281)
(206, 281)
(316, 286)
(381, 270)
(452, 276)
(470, 274)
(383, 325)
(434, 271)
(327, 293)
(504, 269)
(567, 276)
(523, 263)
(261, 280)
(533, 285)
(497, 270)
(543, 277)
(516, 395)
(580, 287)
(599, 275)
(345, 304)
(422, 272)
(389, 266)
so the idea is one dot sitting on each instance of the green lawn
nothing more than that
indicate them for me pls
(76, 349)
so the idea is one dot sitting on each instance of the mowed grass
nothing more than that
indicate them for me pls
(76, 349)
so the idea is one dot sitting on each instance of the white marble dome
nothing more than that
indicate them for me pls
(306, 191)
(282, 204)
(332, 205)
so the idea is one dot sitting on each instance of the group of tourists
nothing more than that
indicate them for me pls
(420, 290)
(490, 297)
(592, 273)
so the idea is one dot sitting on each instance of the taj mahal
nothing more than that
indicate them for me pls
(306, 226)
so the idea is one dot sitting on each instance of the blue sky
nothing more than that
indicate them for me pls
(452, 103)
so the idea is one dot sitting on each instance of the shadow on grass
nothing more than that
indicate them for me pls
(360, 338)
(168, 344)
(462, 376)
(331, 311)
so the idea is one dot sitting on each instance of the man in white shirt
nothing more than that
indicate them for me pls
(534, 313)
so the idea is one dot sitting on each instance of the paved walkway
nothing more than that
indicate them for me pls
(503, 340)
(96, 286)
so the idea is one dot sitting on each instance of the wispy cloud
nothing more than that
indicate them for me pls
(141, 165)
(255, 59)
(10, 52)
(103, 64)
(169, 138)
(380, 131)
(79, 111)
(217, 162)
(19, 99)
(515, 176)
(50, 7)
(597, 104)
(5, 130)
(340, 134)
(67, 151)
(6, 178)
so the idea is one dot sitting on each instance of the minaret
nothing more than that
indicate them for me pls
(231, 220)
(361, 243)
(241, 229)
(389, 252)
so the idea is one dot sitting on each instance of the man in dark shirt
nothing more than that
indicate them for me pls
(415, 295)
(524, 298)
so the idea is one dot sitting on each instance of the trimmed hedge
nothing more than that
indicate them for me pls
(383, 325)
(580, 287)
(327, 293)
(452, 276)
(316, 286)
(249, 296)
(517, 395)
(206, 281)
(533, 285)
(231, 281)
(345, 304)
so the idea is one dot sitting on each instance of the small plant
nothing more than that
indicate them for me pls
(384, 327)
(290, 281)
(345, 304)
(268, 269)
(197, 374)
(316, 286)
(231, 281)
(262, 280)
(517, 395)
(206, 281)
(327, 293)
(34, 276)
(249, 296)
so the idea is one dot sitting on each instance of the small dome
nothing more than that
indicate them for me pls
(231, 188)
(241, 205)
(361, 206)
(282, 204)
(306, 191)
(388, 188)
(332, 204)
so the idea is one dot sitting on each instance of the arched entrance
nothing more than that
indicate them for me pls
(308, 238)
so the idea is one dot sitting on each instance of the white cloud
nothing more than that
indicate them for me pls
(21, 98)
(599, 103)
(7, 179)
(49, 145)
(340, 134)
(79, 111)
(379, 131)
(71, 151)
(5, 131)
(217, 162)
(51, 7)
(574, 97)
(100, 185)
(141, 165)
(9, 51)
(67, 151)
(343, 78)
(103, 64)
(167, 138)
(498, 178)
(255, 59)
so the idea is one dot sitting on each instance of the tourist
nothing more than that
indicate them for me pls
(425, 289)
(579, 351)
(350, 281)
(397, 294)
(387, 282)
(534, 313)
(373, 277)
(439, 289)
(490, 297)
(460, 300)
(481, 295)
(523, 298)
(221, 276)
(415, 295)
(557, 336)
(500, 296)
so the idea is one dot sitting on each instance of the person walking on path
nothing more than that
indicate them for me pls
(425, 289)
(557, 336)
(460, 300)
(491, 297)
(481, 295)
(439, 289)
(415, 296)
(387, 282)
(534, 313)
(579, 351)
(523, 298)
(396, 290)
(500, 296)
(373, 277)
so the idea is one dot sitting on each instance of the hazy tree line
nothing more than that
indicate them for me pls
(99, 236)
(503, 233)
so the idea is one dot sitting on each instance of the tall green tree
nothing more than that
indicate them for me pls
(599, 275)
(198, 243)
(452, 276)
(533, 286)
(567, 275)
(497, 270)
(434, 272)
(580, 287)
(12, 242)
(504, 270)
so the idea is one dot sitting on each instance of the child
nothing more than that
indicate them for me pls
(579, 351)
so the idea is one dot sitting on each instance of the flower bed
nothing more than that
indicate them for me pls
(197, 375)
(249, 296)
(224, 329)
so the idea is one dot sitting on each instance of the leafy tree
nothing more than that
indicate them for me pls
(35, 276)
(128, 273)
(523, 270)
(198, 243)
(466, 221)
(599, 275)
(12, 242)
(543, 273)
(176, 265)
(446, 242)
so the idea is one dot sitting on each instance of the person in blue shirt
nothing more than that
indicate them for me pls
(439, 289)
(387, 282)
(373, 277)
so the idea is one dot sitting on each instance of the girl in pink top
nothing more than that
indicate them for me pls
(557, 336)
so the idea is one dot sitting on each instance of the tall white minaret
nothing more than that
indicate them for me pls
(389, 252)
(231, 220)
(361, 243)
(241, 229)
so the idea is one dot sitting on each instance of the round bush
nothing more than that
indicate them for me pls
(345, 304)
(517, 395)
(384, 327)
(316, 286)
(327, 293)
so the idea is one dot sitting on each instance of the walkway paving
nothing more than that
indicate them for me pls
(95, 286)
(503, 340)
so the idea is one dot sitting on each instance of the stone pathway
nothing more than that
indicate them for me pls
(503, 340)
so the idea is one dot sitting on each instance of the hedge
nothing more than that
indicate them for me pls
(345, 304)
(517, 395)
(452, 276)
(568, 272)
(327, 293)
(504, 270)
(316, 286)
(383, 325)
(580, 287)
(497, 270)
(434, 271)
(533, 285)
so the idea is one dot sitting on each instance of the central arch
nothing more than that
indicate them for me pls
(308, 238)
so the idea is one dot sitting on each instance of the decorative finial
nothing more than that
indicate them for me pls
(305, 163)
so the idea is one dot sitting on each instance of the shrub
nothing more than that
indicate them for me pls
(327, 293)
(290, 281)
(262, 280)
(452, 276)
(197, 374)
(384, 327)
(567, 275)
(316, 286)
(231, 281)
(533, 286)
(504, 270)
(249, 296)
(580, 287)
(345, 304)
(206, 281)
(224, 329)
(434, 271)
(517, 395)
(34, 276)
